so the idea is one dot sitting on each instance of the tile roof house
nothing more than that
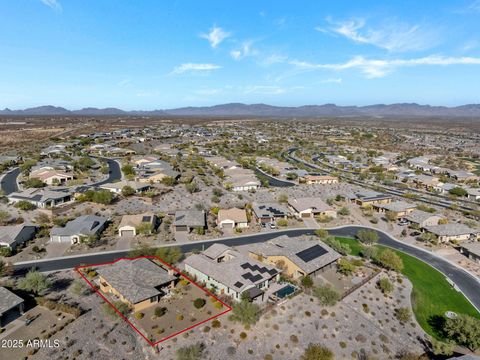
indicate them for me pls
(80, 228)
(269, 212)
(423, 218)
(399, 208)
(318, 179)
(13, 235)
(230, 272)
(8, 302)
(187, 220)
(296, 257)
(116, 187)
(232, 218)
(51, 176)
(139, 283)
(308, 207)
(453, 232)
(130, 224)
(43, 198)
(471, 250)
(369, 197)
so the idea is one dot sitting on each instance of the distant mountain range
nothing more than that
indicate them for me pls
(239, 109)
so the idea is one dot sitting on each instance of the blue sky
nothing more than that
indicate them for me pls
(152, 54)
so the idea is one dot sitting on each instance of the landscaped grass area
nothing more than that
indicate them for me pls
(432, 295)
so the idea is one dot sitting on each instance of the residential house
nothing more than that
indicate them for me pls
(43, 198)
(229, 272)
(471, 250)
(14, 235)
(422, 218)
(139, 283)
(130, 224)
(269, 212)
(78, 229)
(187, 220)
(9, 302)
(369, 197)
(319, 179)
(51, 176)
(308, 207)
(399, 208)
(295, 257)
(453, 232)
(232, 218)
(117, 187)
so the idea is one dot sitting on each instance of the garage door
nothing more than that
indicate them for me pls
(181, 228)
(306, 215)
(130, 233)
(227, 226)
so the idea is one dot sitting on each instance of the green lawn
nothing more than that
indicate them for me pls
(432, 295)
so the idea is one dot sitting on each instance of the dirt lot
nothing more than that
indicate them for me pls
(180, 313)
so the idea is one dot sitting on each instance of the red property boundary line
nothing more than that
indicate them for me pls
(229, 308)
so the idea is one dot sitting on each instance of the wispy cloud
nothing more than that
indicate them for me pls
(54, 4)
(194, 67)
(375, 68)
(244, 50)
(331, 81)
(265, 90)
(215, 36)
(390, 35)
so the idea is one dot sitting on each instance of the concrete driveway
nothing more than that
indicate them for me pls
(311, 223)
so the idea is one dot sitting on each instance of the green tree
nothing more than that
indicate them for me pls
(170, 254)
(345, 267)
(403, 314)
(191, 352)
(24, 205)
(344, 211)
(127, 190)
(168, 181)
(385, 285)
(389, 260)
(4, 217)
(465, 330)
(458, 191)
(443, 348)
(317, 352)
(282, 198)
(128, 170)
(245, 312)
(307, 281)
(102, 196)
(199, 303)
(327, 295)
(368, 237)
(5, 251)
(34, 282)
(33, 183)
(321, 233)
(391, 216)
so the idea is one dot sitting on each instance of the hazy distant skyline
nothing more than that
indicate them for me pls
(152, 55)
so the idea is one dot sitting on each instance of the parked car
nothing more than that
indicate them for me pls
(273, 226)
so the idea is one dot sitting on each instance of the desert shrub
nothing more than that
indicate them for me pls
(139, 315)
(199, 303)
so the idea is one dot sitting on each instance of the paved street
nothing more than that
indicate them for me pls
(8, 184)
(466, 282)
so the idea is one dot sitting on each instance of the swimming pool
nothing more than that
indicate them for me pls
(285, 291)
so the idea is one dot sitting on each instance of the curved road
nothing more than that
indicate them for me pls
(466, 282)
(273, 181)
(8, 184)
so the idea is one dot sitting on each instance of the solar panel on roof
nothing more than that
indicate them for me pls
(238, 284)
(311, 253)
(245, 265)
(256, 278)
(247, 276)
